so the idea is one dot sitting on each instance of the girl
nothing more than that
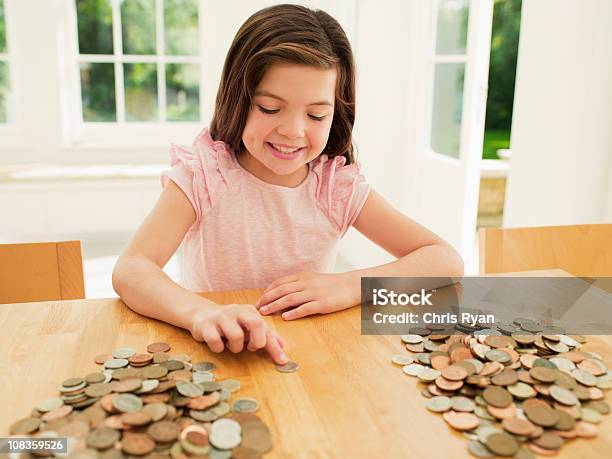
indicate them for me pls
(263, 197)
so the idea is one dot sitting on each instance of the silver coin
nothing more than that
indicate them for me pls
(189, 389)
(289, 367)
(127, 403)
(124, 352)
(245, 405)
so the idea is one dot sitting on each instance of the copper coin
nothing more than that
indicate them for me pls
(543, 374)
(502, 413)
(549, 440)
(158, 347)
(586, 430)
(128, 385)
(100, 359)
(140, 359)
(543, 416)
(454, 373)
(542, 451)
(502, 444)
(461, 421)
(195, 434)
(136, 418)
(448, 385)
(497, 396)
(460, 353)
(57, 413)
(137, 444)
(505, 378)
(440, 362)
(164, 431)
(518, 426)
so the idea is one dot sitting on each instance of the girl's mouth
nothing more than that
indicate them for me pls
(284, 155)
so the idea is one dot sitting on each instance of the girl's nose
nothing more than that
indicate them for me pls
(291, 128)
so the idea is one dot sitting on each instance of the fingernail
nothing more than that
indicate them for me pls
(284, 357)
(286, 316)
(264, 310)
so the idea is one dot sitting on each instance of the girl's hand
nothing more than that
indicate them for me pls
(310, 293)
(236, 324)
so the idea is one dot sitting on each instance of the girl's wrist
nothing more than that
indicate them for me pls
(352, 280)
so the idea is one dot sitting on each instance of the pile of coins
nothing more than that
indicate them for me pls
(149, 405)
(514, 390)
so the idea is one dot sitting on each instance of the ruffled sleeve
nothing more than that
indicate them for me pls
(199, 171)
(341, 190)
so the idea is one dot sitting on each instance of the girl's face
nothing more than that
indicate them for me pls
(289, 122)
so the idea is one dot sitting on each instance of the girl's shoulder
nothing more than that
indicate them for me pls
(341, 189)
(203, 171)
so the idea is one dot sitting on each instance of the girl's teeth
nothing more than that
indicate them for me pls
(283, 149)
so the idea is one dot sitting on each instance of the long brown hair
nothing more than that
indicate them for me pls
(285, 34)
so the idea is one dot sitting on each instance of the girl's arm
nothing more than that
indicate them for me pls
(419, 252)
(140, 282)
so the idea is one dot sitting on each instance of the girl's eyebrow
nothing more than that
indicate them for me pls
(274, 96)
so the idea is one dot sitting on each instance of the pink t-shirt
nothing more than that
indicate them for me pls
(248, 232)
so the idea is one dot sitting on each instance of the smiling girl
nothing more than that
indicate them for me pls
(263, 197)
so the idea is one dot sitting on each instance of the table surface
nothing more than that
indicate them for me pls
(346, 400)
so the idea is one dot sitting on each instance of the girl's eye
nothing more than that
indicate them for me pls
(272, 112)
(266, 111)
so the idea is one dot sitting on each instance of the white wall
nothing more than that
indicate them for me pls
(561, 168)
(387, 43)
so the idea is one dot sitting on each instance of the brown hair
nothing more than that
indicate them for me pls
(281, 34)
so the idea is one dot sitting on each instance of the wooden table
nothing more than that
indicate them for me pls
(347, 400)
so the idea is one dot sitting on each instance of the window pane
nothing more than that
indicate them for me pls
(140, 92)
(4, 92)
(2, 28)
(138, 26)
(98, 92)
(183, 92)
(181, 27)
(452, 26)
(95, 24)
(446, 110)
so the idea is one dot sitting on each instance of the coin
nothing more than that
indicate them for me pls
(158, 347)
(204, 366)
(288, 367)
(497, 396)
(438, 404)
(127, 403)
(102, 438)
(189, 389)
(245, 405)
(137, 444)
(163, 431)
(461, 421)
(502, 444)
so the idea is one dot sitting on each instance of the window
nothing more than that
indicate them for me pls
(449, 58)
(138, 60)
(6, 104)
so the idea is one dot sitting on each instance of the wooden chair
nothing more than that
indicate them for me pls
(582, 250)
(41, 271)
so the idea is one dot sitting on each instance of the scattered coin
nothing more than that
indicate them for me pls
(288, 367)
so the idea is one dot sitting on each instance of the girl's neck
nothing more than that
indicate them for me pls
(257, 169)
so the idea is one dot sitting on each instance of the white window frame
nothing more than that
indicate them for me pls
(9, 130)
(121, 132)
(433, 59)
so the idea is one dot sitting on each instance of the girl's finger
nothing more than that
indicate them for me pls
(279, 338)
(256, 329)
(233, 333)
(282, 280)
(274, 350)
(212, 338)
(287, 301)
(304, 310)
(279, 292)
